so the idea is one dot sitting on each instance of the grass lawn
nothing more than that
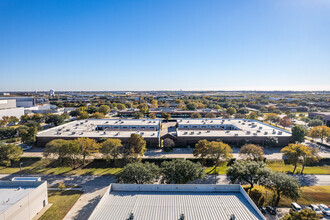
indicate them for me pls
(43, 167)
(219, 171)
(62, 203)
(280, 166)
(309, 195)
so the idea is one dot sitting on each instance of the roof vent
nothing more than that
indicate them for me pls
(131, 216)
(182, 217)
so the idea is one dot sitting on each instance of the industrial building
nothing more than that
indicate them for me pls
(22, 198)
(8, 107)
(175, 201)
(96, 129)
(234, 131)
(24, 101)
(324, 115)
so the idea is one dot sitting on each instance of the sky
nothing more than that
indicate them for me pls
(164, 45)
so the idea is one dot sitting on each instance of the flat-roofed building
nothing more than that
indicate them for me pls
(8, 108)
(175, 201)
(234, 131)
(22, 199)
(324, 115)
(104, 128)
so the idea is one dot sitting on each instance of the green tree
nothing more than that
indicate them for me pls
(13, 119)
(97, 115)
(191, 106)
(196, 115)
(111, 149)
(321, 132)
(315, 122)
(139, 173)
(218, 152)
(180, 171)
(63, 150)
(28, 134)
(217, 107)
(25, 118)
(104, 109)
(143, 108)
(152, 115)
(154, 102)
(210, 115)
(136, 146)
(305, 214)
(251, 172)
(83, 115)
(252, 152)
(293, 153)
(282, 184)
(9, 153)
(120, 106)
(87, 147)
(231, 110)
(54, 120)
(166, 115)
(298, 133)
(138, 115)
(272, 118)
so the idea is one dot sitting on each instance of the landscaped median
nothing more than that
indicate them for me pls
(41, 166)
(309, 195)
(62, 202)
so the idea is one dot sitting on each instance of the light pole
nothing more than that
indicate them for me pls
(20, 168)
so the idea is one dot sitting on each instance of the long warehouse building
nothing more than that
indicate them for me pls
(104, 128)
(175, 201)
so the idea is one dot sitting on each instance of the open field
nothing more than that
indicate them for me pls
(62, 203)
(309, 195)
(281, 167)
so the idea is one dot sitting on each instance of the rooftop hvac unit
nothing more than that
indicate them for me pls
(266, 132)
(192, 132)
(199, 132)
(236, 134)
(73, 132)
(81, 133)
(142, 133)
(86, 121)
(243, 123)
(104, 132)
(248, 132)
(185, 132)
(77, 124)
(208, 131)
(131, 217)
(260, 127)
(239, 121)
(255, 134)
(280, 132)
(211, 121)
(182, 217)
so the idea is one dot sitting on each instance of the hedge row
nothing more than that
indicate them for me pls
(7, 133)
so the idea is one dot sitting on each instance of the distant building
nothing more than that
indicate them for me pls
(51, 92)
(234, 131)
(24, 101)
(175, 201)
(22, 198)
(8, 108)
(325, 115)
(104, 128)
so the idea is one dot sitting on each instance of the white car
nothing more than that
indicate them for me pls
(316, 209)
(325, 209)
(26, 148)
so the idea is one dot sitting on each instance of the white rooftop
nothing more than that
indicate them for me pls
(87, 128)
(13, 191)
(243, 127)
(169, 201)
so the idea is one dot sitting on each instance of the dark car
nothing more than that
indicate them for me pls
(271, 210)
(262, 210)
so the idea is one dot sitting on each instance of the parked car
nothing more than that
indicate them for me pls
(262, 210)
(26, 148)
(271, 210)
(316, 209)
(325, 209)
(305, 207)
(295, 207)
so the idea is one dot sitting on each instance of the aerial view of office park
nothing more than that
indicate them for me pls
(164, 110)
